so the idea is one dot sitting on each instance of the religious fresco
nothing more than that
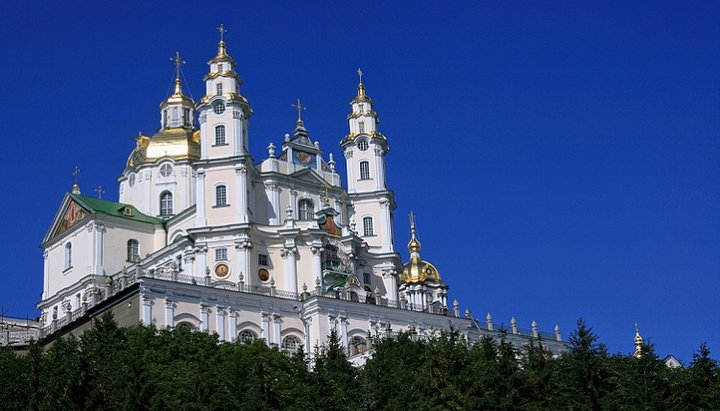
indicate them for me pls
(303, 159)
(73, 214)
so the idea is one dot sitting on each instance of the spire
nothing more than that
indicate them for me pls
(222, 50)
(414, 244)
(361, 89)
(178, 62)
(639, 342)
(300, 108)
(300, 134)
(76, 187)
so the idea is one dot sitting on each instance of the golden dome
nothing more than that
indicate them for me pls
(178, 97)
(175, 143)
(417, 270)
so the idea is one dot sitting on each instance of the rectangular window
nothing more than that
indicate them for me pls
(366, 278)
(364, 170)
(262, 259)
(220, 67)
(221, 254)
(219, 89)
(221, 196)
(186, 117)
(361, 127)
(220, 135)
(368, 226)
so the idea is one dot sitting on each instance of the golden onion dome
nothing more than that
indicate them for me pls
(176, 143)
(417, 270)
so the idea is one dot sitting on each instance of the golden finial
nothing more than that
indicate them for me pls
(361, 86)
(300, 108)
(221, 45)
(178, 62)
(638, 342)
(414, 244)
(76, 187)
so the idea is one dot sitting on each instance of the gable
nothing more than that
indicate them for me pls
(71, 213)
(310, 176)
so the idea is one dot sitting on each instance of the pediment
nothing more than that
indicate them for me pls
(70, 214)
(309, 176)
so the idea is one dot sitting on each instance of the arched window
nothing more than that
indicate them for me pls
(185, 326)
(358, 345)
(362, 145)
(368, 226)
(166, 204)
(68, 256)
(306, 210)
(364, 170)
(220, 136)
(290, 345)
(133, 251)
(246, 336)
(221, 196)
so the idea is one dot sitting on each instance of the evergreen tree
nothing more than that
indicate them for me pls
(335, 382)
(537, 387)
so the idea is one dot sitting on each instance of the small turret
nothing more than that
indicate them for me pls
(639, 342)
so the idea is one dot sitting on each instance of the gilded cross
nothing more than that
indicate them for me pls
(178, 62)
(75, 173)
(100, 191)
(299, 107)
(222, 31)
(360, 74)
(412, 220)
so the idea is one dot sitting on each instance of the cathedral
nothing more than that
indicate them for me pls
(282, 249)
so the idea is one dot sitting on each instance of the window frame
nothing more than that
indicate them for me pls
(221, 254)
(365, 170)
(68, 256)
(133, 250)
(166, 204)
(306, 209)
(368, 226)
(221, 194)
(220, 135)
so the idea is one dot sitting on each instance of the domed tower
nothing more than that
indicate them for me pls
(223, 172)
(365, 149)
(420, 281)
(157, 178)
(639, 342)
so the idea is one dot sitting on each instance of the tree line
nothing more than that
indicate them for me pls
(142, 368)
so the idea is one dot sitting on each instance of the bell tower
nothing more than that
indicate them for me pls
(223, 111)
(365, 149)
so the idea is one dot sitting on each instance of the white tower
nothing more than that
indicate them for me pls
(223, 111)
(223, 169)
(365, 148)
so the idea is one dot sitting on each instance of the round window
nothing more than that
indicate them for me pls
(219, 108)
(166, 170)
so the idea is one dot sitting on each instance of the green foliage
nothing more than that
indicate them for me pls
(139, 368)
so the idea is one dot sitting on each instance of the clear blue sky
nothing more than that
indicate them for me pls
(563, 160)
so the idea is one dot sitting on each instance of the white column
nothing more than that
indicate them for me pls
(220, 322)
(344, 332)
(294, 203)
(204, 317)
(200, 220)
(91, 264)
(349, 169)
(241, 204)
(204, 133)
(385, 223)
(46, 275)
(169, 313)
(232, 325)
(265, 325)
(380, 173)
(237, 133)
(277, 319)
(317, 251)
(242, 248)
(99, 237)
(273, 194)
(307, 321)
(147, 310)
(288, 253)
(200, 261)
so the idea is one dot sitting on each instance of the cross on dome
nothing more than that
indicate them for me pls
(360, 74)
(178, 62)
(222, 31)
(299, 107)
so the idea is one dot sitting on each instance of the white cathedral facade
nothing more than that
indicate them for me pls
(283, 249)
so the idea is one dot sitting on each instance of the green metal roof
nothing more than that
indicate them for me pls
(97, 205)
